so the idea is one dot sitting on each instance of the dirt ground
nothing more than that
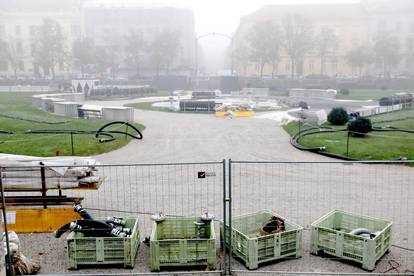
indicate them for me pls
(301, 192)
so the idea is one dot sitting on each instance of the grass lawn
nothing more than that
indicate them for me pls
(364, 95)
(376, 146)
(19, 105)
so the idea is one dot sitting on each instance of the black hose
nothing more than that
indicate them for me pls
(109, 135)
(294, 141)
(139, 137)
(6, 132)
(33, 121)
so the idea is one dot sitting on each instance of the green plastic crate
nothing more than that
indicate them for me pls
(92, 251)
(330, 235)
(174, 243)
(253, 249)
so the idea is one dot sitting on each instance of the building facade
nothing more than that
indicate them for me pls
(108, 25)
(87, 18)
(18, 22)
(355, 25)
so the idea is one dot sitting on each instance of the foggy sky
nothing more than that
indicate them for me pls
(221, 15)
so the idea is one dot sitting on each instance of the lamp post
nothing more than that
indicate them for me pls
(197, 38)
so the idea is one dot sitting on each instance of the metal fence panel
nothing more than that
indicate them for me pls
(303, 192)
(140, 190)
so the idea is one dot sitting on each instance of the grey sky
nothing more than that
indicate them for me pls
(223, 15)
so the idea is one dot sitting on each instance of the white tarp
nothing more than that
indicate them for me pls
(23, 172)
(281, 117)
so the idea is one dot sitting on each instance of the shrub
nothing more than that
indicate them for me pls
(303, 105)
(344, 91)
(386, 101)
(338, 116)
(360, 127)
(406, 98)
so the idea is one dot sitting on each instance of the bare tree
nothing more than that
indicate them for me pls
(164, 50)
(102, 59)
(326, 45)
(112, 54)
(264, 40)
(359, 57)
(298, 38)
(134, 49)
(387, 49)
(409, 50)
(12, 53)
(84, 53)
(48, 46)
(241, 56)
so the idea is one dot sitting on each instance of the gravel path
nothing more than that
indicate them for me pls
(293, 189)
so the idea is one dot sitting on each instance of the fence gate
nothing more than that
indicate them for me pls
(138, 191)
(303, 192)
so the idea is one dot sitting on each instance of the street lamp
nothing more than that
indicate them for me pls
(197, 38)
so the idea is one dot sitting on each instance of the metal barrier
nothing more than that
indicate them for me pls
(138, 191)
(302, 192)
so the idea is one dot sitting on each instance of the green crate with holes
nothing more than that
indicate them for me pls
(180, 242)
(331, 235)
(253, 249)
(97, 251)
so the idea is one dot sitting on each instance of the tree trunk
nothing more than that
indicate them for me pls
(273, 70)
(261, 69)
(292, 69)
(82, 71)
(15, 73)
(52, 69)
(322, 65)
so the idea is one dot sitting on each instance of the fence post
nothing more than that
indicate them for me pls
(2, 257)
(71, 143)
(43, 179)
(229, 219)
(4, 263)
(223, 240)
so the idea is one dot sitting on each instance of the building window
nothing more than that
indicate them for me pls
(287, 66)
(4, 66)
(75, 30)
(382, 27)
(32, 30)
(19, 47)
(21, 65)
(398, 27)
(18, 30)
(311, 67)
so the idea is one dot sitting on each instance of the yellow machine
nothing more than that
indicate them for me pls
(235, 113)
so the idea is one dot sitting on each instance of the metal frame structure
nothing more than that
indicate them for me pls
(229, 188)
